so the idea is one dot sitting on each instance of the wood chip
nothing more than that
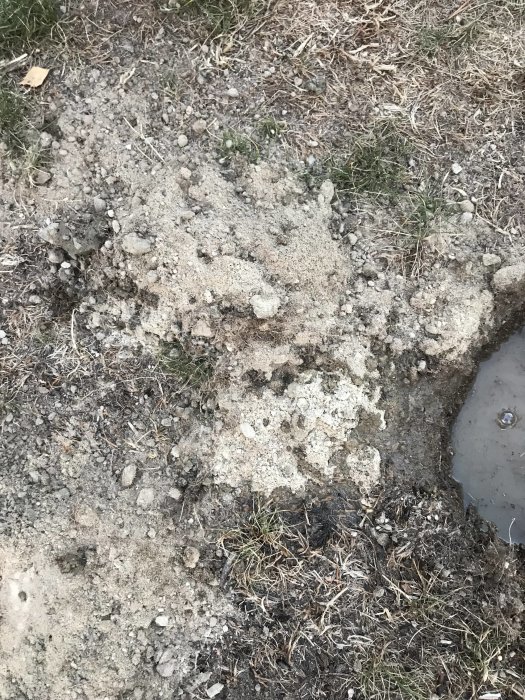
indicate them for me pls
(35, 76)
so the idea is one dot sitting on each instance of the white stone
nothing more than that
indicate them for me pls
(467, 205)
(199, 127)
(456, 168)
(202, 329)
(185, 173)
(232, 92)
(265, 305)
(99, 205)
(175, 493)
(509, 278)
(145, 498)
(182, 141)
(128, 475)
(247, 430)
(491, 260)
(162, 620)
(466, 217)
(214, 690)
(191, 557)
(134, 245)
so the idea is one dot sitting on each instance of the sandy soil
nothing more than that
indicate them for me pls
(228, 378)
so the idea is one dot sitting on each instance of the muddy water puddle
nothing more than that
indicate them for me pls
(488, 440)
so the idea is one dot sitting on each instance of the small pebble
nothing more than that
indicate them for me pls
(466, 217)
(99, 205)
(198, 127)
(182, 141)
(185, 173)
(232, 92)
(491, 260)
(247, 430)
(456, 168)
(145, 497)
(214, 690)
(191, 557)
(128, 475)
(162, 620)
(467, 206)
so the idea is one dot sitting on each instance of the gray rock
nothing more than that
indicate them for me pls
(162, 620)
(198, 127)
(466, 217)
(232, 92)
(182, 141)
(56, 256)
(74, 239)
(467, 206)
(369, 271)
(99, 205)
(510, 278)
(134, 245)
(265, 305)
(145, 498)
(491, 260)
(167, 663)
(214, 690)
(128, 475)
(191, 557)
(40, 177)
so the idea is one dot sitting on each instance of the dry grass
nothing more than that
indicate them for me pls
(409, 618)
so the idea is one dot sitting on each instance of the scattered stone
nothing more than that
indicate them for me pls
(175, 494)
(369, 272)
(191, 557)
(134, 245)
(182, 141)
(145, 498)
(45, 139)
(167, 663)
(199, 127)
(232, 92)
(128, 475)
(247, 430)
(491, 260)
(162, 620)
(56, 256)
(265, 305)
(466, 217)
(467, 206)
(509, 278)
(456, 168)
(115, 226)
(99, 205)
(214, 690)
(185, 173)
(74, 239)
(202, 329)
(41, 177)
(85, 516)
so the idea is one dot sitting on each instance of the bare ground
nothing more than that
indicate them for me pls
(248, 257)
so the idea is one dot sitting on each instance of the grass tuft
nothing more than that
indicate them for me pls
(376, 166)
(271, 128)
(186, 366)
(446, 37)
(223, 16)
(12, 114)
(234, 142)
(24, 22)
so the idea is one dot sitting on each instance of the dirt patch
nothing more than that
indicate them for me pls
(243, 255)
